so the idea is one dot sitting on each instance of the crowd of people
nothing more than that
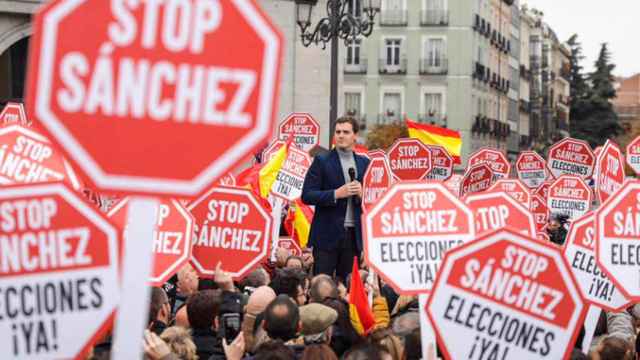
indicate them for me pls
(280, 311)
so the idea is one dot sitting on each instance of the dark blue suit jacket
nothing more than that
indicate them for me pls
(323, 177)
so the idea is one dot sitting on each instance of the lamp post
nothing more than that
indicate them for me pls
(346, 20)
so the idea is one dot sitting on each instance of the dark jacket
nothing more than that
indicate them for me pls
(208, 344)
(323, 177)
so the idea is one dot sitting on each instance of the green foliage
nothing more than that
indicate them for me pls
(382, 136)
(593, 118)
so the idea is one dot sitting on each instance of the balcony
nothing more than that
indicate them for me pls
(433, 119)
(525, 106)
(393, 17)
(356, 68)
(390, 117)
(435, 17)
(434, 66)
(389, 67)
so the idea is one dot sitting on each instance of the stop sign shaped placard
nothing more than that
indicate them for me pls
(618, 238)
(495, 158)
(442, 163)
(232, 228)
(376, 153)
(271, 150)
(304, 129)
(477, 178)
(540, 211)
(187, 72)
(497, 210)
(571, 157)
(172, 237)
(633, 155)
(291, 245)
(543, 190)
(13, 113)
(579, 251)
(514, 188)
(27, 157)
(409, 159)
(531, 169)
(59, 275)
(569, 195)
(377, 179)
(290, 178)
(506, 296)
(610, 165)
(408, 231)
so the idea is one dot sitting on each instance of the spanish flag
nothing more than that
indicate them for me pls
(270, 169)
(361, 315)
(298, 222)
(435, 135)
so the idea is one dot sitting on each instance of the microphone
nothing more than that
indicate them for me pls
(352, 176)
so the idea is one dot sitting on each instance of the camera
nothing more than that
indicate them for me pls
(230, 326)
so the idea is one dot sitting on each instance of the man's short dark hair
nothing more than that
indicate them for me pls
(274, 350)
(286, 281)
(281, 318)
(348, 119)
(158, 299)
(202, 308)
(256, 278)
(365, 351)
(321, 288)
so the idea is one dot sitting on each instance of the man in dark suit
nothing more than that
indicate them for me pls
(333, 186)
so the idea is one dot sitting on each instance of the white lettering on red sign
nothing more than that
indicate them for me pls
(571, 157)
(569, 195)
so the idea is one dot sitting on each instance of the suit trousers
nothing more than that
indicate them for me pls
(338, 262)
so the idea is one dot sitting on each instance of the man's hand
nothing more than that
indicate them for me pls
(349, 189)
(223, 279)
(154, 347)
(235, 350)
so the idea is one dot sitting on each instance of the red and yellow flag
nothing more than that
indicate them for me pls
(361, 315)
(270, 169)
(435, 135)
(298, 222)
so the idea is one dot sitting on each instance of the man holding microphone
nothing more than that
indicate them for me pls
(333, 185)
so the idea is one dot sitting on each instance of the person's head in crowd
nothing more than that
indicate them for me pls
(318, 352)
(159, 310)
(254, 280)
(290, 282)
(259, 300)
(577, 354)
(322, 287)
(282, 255)
(406, 323)
(274, 350)
(389, 342)
(613, 348)
(180, 343)
(412, 346)
(344, 336)
(187, 280)
(317, 323)
(202, 309)
(282, 319)
(294, 262)
(182, 319)
(367, 351)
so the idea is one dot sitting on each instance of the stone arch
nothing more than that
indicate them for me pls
(14, 34)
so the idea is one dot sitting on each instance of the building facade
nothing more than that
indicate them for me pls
(627, 106)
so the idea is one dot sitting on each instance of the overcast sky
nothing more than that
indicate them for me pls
(613, 21)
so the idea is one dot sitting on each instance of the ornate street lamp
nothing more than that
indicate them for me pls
(343, 21)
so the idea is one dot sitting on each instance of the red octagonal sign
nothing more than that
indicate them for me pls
(304, 129)
(633, 155)
(59, 276)
(171, 239)
(571, 157)
(506, 296)
(477, 178)
(160, 82)
(409, 159)
(408, 231)
(232, 228)
(497, 210)
(496, 159)
(618, 238)
(579, 250)
(514, 188)
(531, 169)
(610, 171)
